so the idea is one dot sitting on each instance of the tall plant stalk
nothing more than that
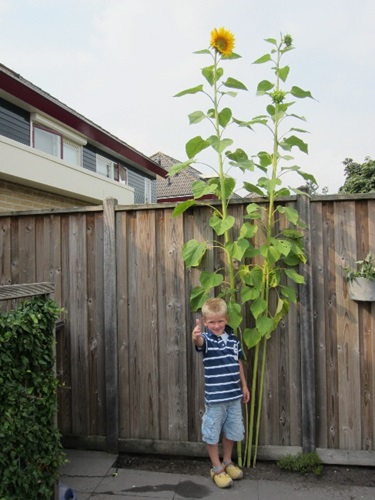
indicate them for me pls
(242, 284)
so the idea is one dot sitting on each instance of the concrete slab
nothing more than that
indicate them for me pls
(91, 476)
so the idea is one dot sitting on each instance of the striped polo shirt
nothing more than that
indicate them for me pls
(221, 367)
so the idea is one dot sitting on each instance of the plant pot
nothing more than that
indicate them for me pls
(362, 289)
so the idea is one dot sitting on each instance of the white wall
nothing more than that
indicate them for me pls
(30, 167)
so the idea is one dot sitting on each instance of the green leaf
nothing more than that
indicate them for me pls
(271, 40)
(231, 94)
(233, 55)
(297, 92)
(203, 51)
(265, 158)
(234, 84)
(258, 307)
(248, 230)
(283, 246)
(201, 188)
(182, 207)
(252, 208)
(253, 188)
(265, 325)
(271, 253)
(219, 145)
(193, 90)
(291, 214)
(224, 117)
(195, 146)
(294, 276)
(263, 59)
(251, 337)
(220, 226)
(264, 86)
(292, 141)
(229, 186)
(289, 293)
(198, 297)
(283, 73)
(239, 158)
(237, 248)
(210, 280)
(249, 293)
(196, 117)
(235, 316)
(212, 75)
(177, 167)
(193, 252)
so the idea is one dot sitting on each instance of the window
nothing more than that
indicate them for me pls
(55, 140)
(121, 174)
(110, 169)
(47, 141)
(148, 192)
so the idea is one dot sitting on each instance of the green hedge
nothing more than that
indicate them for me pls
(30, 448)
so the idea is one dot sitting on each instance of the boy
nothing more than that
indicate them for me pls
(225, 386)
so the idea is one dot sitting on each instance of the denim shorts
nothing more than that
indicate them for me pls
(223, 417)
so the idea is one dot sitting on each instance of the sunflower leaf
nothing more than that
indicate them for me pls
(195, 146)
(234, 84)
(193, 90)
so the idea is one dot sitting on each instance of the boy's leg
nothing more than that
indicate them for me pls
(213, 453)
(227, 449)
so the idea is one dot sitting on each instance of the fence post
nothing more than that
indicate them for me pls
(110, 325)
(306, 327)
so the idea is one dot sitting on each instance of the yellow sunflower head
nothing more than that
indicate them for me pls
(222, 40)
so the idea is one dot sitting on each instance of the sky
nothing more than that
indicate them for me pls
(121, 62)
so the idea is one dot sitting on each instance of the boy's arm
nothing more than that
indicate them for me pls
(198, 340)
(245, 390)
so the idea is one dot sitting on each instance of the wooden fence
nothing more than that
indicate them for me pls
(130, 378)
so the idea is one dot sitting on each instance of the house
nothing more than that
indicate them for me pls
(179, 187)
(53, 157)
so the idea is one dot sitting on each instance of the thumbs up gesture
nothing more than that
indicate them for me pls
(197, 334)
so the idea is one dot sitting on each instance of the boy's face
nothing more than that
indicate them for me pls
(216, 322)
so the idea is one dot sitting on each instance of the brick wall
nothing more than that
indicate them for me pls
(16, 197)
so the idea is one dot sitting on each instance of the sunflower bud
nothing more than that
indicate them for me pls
(288, 40)
(278, 96)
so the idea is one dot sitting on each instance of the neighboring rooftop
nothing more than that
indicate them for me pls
(178, 187)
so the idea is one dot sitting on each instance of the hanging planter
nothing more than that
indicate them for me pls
(361, 282)
(362, 289)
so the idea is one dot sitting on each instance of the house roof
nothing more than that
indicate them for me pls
(25, 94)
(177, 187)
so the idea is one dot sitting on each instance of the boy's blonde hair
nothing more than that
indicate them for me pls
(214, 306)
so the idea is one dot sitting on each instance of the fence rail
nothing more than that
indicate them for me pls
(130, 378)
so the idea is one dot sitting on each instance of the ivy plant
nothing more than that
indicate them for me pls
(30, 449)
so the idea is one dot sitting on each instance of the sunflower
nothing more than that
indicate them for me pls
(223, 41)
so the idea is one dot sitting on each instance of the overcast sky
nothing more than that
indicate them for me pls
(120, 62)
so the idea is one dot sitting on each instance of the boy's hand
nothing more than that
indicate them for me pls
(246, 394)
(197, 334)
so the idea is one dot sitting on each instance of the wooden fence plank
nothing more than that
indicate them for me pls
(143, 279)
(110, 325)
(77, 312)
(347, 334)
(320, 304)
(172, 328)
(124, 290)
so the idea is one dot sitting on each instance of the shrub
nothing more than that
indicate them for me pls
(30, 448)
(304, 463)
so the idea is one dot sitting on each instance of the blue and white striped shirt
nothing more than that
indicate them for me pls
(221, 367)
